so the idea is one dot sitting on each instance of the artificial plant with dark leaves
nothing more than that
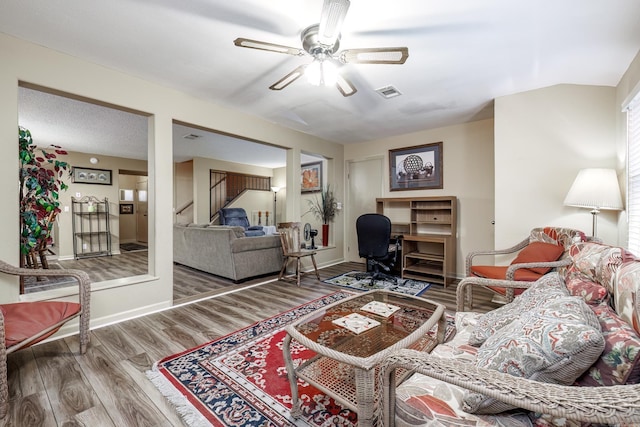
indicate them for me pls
(41, 180)
(326, 207)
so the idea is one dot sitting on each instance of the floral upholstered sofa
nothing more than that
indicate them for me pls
(566, 352)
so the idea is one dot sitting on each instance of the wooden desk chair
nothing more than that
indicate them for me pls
(23, 324)
(291, 249)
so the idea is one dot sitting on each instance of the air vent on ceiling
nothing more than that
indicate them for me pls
(191, 136)
(388, 92)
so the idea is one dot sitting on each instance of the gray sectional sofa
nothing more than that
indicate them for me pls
(226, 251)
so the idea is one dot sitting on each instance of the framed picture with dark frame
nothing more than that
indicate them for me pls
(126, 208)
(416, 168)
(91, 176)
(311, 177)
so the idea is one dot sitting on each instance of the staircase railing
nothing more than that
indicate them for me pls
(187, 205)
(227, 186)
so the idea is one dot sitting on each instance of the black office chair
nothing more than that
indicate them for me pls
(375, 244)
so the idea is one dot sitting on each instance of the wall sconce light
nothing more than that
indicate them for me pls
(595, 189)
(94, 160)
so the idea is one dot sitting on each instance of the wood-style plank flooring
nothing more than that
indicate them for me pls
(52, 385)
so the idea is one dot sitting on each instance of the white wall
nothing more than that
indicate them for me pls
(542, 139)
(22, 61)
(467, 174)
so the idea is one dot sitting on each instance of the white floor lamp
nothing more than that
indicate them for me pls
(595, 189)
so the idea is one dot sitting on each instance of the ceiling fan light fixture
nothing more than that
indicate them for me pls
(321, 73)
(322, 43)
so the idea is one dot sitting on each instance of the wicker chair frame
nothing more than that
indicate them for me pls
(84, 284)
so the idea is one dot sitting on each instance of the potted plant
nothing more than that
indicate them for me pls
(325, 209)
(41, 176)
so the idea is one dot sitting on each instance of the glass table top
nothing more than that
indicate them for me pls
(367, 324)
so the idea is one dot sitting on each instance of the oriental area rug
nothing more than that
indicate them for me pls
(357, 280)
(240, 379)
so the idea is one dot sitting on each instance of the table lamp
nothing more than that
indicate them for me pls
(595, 189)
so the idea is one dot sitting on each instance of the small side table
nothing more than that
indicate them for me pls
(344, 367)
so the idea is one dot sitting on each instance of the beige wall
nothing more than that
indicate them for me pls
(542, 139)
(22, 61)
(467, 174)
(111, 192)
(183, 191)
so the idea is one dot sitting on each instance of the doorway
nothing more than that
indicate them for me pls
(364, 179)
(133, 224)
(142, 212)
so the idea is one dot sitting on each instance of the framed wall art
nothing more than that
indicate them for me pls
(311, 176)
(126, 208)
(91, 176)
(415, 168)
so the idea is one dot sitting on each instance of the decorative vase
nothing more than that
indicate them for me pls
(325, 234)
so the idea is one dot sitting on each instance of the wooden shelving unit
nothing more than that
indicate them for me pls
(428, 229)
(91, 232)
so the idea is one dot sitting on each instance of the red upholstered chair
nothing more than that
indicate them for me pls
(23, 324)
(544, 250)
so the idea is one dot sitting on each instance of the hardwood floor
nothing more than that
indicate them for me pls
(189, 284)
(52, 385)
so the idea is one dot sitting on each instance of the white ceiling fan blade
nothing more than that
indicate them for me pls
(288, 79)
(375, 55)
(345, 87)
(333, 14)
(270, 47)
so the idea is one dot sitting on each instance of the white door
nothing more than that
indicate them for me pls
(364, 179)
(142, 218)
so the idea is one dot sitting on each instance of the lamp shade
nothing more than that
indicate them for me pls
(595, 189)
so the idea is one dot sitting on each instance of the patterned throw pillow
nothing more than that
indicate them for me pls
(591, 292)
(523, 348)
(546, 288)
(620, 361)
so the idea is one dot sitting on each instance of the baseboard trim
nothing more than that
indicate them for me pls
(71, 328)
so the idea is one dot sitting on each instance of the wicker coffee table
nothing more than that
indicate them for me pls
(351, 341)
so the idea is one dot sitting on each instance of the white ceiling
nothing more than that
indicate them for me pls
(462, 55)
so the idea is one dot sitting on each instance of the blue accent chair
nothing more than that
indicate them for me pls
(238, 217)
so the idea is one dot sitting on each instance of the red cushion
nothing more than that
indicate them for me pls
(539, 252)
(25, 319)
(500, 272)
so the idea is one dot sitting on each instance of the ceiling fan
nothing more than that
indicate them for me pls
(322, 42)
